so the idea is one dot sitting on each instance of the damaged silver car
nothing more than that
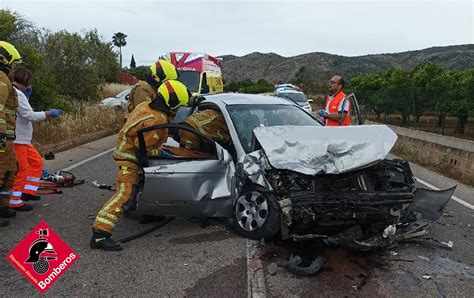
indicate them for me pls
(287, 174)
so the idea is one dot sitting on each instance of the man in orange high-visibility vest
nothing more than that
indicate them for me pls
(337, 109)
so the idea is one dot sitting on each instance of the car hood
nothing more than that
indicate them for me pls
(311, 150)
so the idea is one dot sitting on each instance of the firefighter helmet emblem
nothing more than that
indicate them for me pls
(41, 252)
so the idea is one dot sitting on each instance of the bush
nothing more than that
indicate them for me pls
(248, 86)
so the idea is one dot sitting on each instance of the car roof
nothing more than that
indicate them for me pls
(288, 91)
(243, 98)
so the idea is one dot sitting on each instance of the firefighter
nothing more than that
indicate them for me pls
(171, 95)
(208, 122)
(30, 162)
(160, 71)
(8, 104)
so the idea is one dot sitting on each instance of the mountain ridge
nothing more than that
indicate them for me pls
(320, 65)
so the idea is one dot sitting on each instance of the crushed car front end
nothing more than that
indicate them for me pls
(338, 185)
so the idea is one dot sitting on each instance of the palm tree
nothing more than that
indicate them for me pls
(119, 41)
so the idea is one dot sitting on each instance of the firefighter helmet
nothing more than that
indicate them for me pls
(37, 248)
(174, 93)
(8, 54)
(163, 70)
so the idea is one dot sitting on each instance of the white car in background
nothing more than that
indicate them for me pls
(297, 97)
(118, 101)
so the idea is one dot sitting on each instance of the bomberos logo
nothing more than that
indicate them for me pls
(42, 257)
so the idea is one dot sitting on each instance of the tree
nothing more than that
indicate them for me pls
(119, 40)
(461, 97)
(133, 64)
(431, 84)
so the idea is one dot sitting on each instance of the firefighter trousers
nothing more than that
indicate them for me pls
(8, 168)
(108, 215)
(28, 177)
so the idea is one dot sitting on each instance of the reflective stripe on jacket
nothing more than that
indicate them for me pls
(127, 140)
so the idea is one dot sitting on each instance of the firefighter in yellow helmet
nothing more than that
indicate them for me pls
(8, 104)
(171, 95)
(160, 71)
(208, 122)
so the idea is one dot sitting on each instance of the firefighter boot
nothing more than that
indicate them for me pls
(131, 203)
(6, 212)
(101, 240)
(4, 222)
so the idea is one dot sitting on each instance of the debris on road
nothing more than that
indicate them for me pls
(294, 265)
(427, 276)
(49, 156)
(102, 186)
(449, 244)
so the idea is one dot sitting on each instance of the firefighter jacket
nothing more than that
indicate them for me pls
(127, 142)
(8, 105)
(141, 92)
(208, 122)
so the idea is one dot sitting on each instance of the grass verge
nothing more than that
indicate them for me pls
(85, 119)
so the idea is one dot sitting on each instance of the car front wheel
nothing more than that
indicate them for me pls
(257, 215)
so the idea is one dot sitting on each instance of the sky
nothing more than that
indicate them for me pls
(288, 28)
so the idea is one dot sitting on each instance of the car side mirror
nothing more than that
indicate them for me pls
(205, 89)
(224, 156)
(310, 100)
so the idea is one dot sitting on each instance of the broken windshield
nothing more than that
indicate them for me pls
(247, 117)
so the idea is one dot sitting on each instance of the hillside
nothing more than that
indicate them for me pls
(321, 66)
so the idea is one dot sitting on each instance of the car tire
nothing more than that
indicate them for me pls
(256, 215)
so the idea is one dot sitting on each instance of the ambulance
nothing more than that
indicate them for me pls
(201, 73)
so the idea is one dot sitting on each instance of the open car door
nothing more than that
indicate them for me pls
(190, 183)
(356, 116)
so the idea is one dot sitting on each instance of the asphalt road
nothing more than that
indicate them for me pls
(184, 259)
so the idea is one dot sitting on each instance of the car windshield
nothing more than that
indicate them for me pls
(246, 117)
(296, 96)
(190, 79)
(123, 93)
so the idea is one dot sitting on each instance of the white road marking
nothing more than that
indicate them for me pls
(87, 160)
(462, 202)
(255, 275)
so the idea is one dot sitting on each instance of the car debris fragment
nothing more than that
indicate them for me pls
(294, 266)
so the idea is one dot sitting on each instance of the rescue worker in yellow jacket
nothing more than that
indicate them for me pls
(8, 104)
(171, 95)
(210, 123)
(160, 71)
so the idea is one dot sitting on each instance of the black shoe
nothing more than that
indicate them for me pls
(101, 240)
(28, 197)
(24, 207)
(4, 222)
(7, 212)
